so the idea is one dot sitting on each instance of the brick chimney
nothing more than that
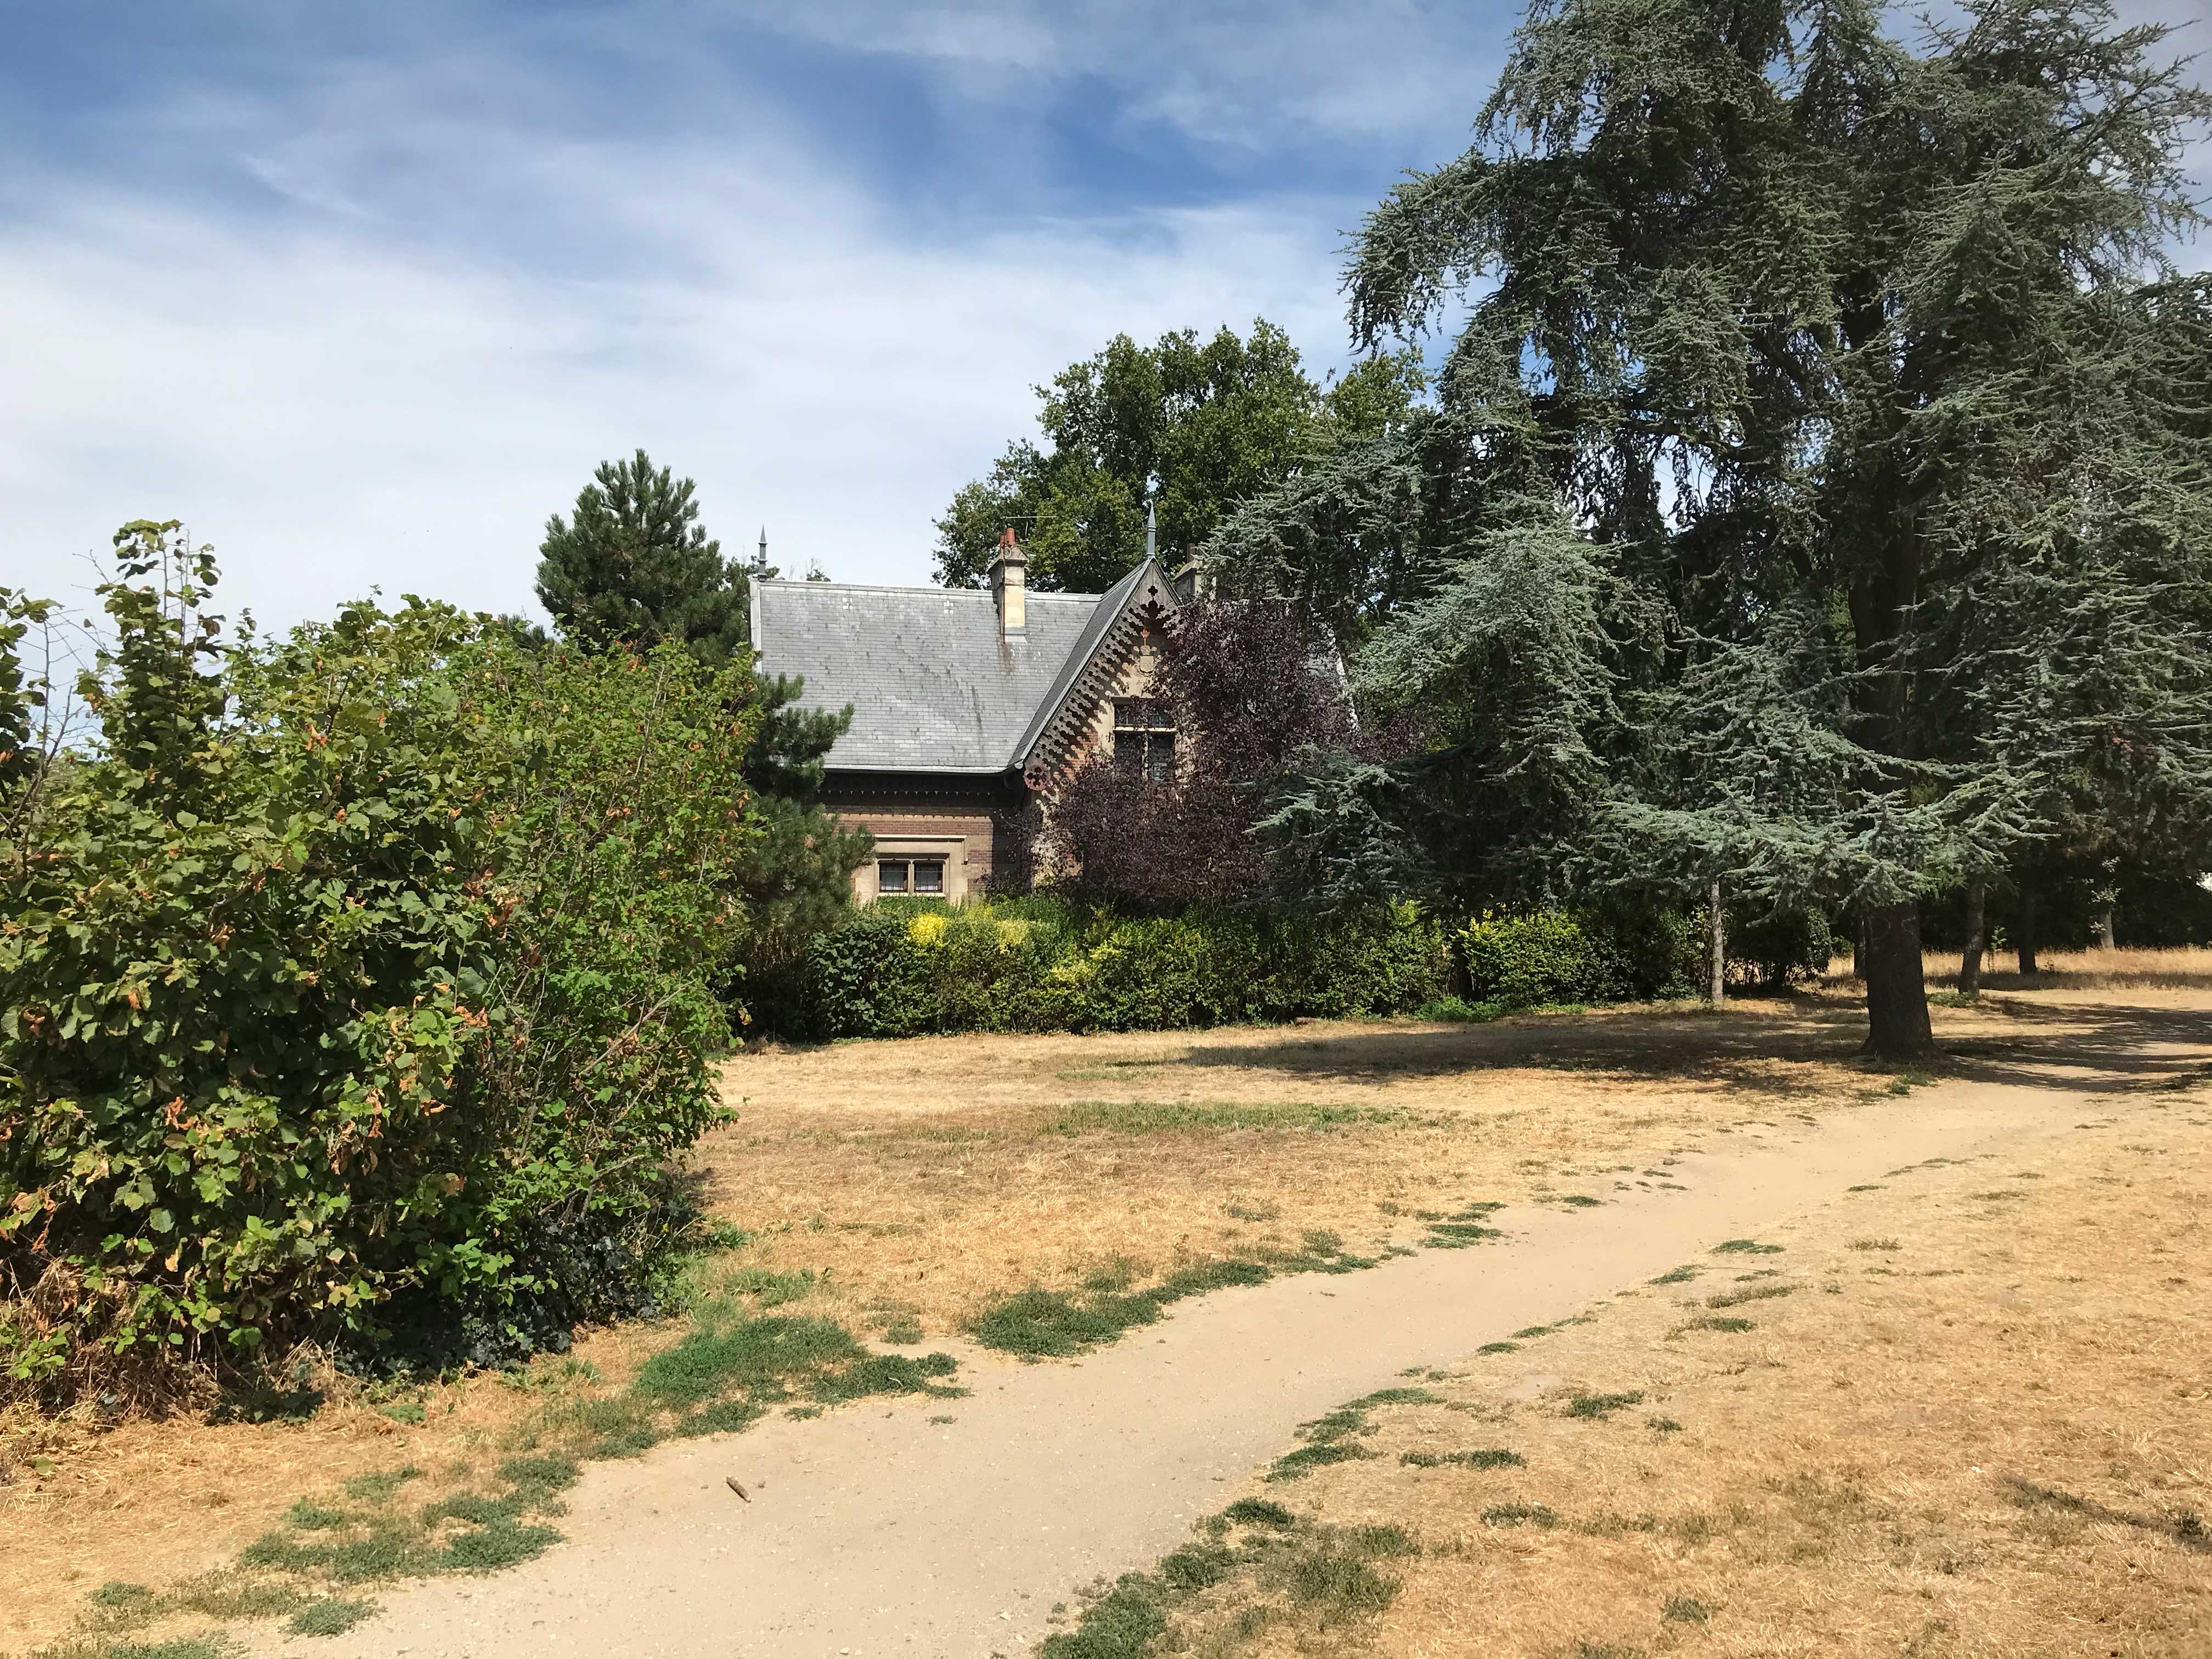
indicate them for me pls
(1008, 589)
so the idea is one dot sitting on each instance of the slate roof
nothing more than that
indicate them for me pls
(932, 687)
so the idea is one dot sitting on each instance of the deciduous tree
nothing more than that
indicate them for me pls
(1188, 427)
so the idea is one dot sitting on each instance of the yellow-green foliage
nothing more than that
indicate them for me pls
(1034, 965)
(1519, 961)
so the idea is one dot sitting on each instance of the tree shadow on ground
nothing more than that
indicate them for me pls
(1777, 1048)
(2115, 1048)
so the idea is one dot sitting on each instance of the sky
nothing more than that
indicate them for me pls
(363, 293)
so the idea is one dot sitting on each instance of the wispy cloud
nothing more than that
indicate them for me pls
(363, 293)
(335, 407)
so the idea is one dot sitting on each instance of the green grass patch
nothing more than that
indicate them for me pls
(1499, 1347)
(1490, 1458)
(1458, 1235)
(1340, 1580)
(1329, 1571)
(1601, 1405)
(1150, 1117)
(1749, 1293)
(1119, 1625)
(334, 1617)
(1676, 1276)
(1520, 1514)
(1745, 1247)
(1041, 1324)
(1727, 1322)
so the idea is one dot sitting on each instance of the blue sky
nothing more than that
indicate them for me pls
(361, 292)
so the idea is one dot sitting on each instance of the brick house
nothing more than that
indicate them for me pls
(969, 705)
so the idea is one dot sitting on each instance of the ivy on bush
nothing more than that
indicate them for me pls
(347, 964)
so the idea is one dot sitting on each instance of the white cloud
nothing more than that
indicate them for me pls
(333, 407)
(1246, 75)
(434, 290)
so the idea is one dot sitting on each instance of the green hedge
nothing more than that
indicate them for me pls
(1616, 955)
(903, 968)
(896, 970)
(1623, 953)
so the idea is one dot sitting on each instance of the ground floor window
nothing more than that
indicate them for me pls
(924, 877)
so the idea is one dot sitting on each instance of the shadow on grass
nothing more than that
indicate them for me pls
(2185, 1528)
(2099, 1047)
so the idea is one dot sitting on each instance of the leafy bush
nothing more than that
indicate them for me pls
(1521, 961)
(1780, 947)
(365, 960)
(1608, 953)
(1040, 964)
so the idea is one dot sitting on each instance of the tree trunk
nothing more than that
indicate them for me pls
(1897, 994)
(1970, 961)
(2026, 928)
(1715, 948)
(2107, 939)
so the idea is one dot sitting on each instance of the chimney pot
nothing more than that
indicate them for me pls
(1009, 587)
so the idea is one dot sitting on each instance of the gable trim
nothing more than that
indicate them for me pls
(1144, 595)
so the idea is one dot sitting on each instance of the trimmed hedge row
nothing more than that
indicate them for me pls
(1034, 965)
(1628, 954)
(903, 968)
(1555, 956)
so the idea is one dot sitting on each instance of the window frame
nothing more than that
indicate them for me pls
(1145, 731)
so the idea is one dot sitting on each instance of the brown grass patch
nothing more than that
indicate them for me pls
(2180, 968)
(1995, 1441)
(923, 1181)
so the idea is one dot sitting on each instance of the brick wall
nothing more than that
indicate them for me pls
(988, 814)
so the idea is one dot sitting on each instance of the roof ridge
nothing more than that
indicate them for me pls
(804, 586)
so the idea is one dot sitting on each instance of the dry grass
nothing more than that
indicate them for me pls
(1980, 1424)
(923, 1181)
(2183, 968)
(928, 1178)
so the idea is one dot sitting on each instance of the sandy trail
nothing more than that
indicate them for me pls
(884, 1530)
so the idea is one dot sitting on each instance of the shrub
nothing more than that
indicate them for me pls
(1039, 964)
(1610, 953)
(1545, 957)
(1781, 947)
(365, 960)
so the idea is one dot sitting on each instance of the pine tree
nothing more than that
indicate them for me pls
(1817, 496)
(634, 567)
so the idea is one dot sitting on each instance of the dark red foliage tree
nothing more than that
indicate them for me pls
(1247, 684)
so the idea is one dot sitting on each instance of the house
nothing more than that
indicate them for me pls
(969, 705)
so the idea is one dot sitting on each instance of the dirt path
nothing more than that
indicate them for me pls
(894, 1531)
